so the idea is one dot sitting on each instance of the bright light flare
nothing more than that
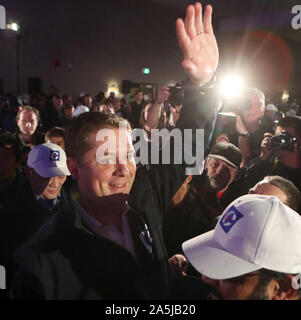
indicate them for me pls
(232, 87)
(285, 96)
(13, 26)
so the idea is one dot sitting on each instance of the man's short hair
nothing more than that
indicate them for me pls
(77, 135)
(28, 108)
(291, 122)
(292, 193)
(55, 132)
(10, 140)
(137, 91)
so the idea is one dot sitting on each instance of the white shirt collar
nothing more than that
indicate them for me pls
(110, 232)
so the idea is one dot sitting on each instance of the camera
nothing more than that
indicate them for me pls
(176, 97)
(283, 141)
(238, 107)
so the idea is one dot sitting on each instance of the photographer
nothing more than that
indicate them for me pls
(280, 155)
(250, 124)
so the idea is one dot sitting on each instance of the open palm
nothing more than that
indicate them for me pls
(198, 43)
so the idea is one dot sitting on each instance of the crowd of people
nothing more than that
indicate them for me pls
(78, 223)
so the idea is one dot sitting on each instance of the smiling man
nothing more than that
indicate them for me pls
(108, 243)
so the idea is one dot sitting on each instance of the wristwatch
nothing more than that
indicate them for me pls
(246, 134)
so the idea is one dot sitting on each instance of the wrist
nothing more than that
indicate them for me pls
(158, 103)
(245, 134)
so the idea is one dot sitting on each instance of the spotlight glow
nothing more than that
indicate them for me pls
(231, 87)
(13, 26)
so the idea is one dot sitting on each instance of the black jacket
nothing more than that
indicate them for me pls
(65, 260)
(254, 172)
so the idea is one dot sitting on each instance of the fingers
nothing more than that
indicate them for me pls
(190, 22)
(198, 18)
(267, 134)
(178, 266)
(163, 94)
(183, 38)
(207, 21)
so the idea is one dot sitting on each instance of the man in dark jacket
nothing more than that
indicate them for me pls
(107, 241)
(36, 201)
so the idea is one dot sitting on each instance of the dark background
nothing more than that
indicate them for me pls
(82, 46)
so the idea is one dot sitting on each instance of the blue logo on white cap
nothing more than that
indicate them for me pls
(230, 218)
(55, 156)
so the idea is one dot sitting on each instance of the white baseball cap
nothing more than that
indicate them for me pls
(79, 110)
(254, 232)
(48, 160)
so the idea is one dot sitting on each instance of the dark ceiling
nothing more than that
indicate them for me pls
(234, 8)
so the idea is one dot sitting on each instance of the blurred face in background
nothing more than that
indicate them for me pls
(68, 112)
(57, 102)
(57, 140)
(88, 101)
(256, 111)
(67, 101)
(27, 122)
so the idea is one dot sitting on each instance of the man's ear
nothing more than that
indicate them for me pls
(288, 288)
(73, 168)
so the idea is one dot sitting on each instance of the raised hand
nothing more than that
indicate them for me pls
(198, 44)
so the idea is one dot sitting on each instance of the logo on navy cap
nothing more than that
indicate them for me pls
(55, 156)
(230, 218)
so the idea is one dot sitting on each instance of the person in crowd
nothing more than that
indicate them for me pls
(28, 119)
(38, 102)
(251, 124)
(25, 99)
(125, 109)
(154, 115)
(276, 158)
(67, 101)
(106, 107)
(136, 108)
(53, 114)
(39, 198)
(280, 187)
(80, 107)
(68, 112)
(115, 213)
(245, 256)
(196, 212)
(116, 105)
(88, 101)
(195, 288)
(56, 135)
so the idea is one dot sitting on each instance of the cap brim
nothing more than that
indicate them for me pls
(223, 158)
(210, 259)
(53, 172)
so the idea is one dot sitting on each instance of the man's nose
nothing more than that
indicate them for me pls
(122, 169)
(28, 125)
(220, 168)
(54, 182)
